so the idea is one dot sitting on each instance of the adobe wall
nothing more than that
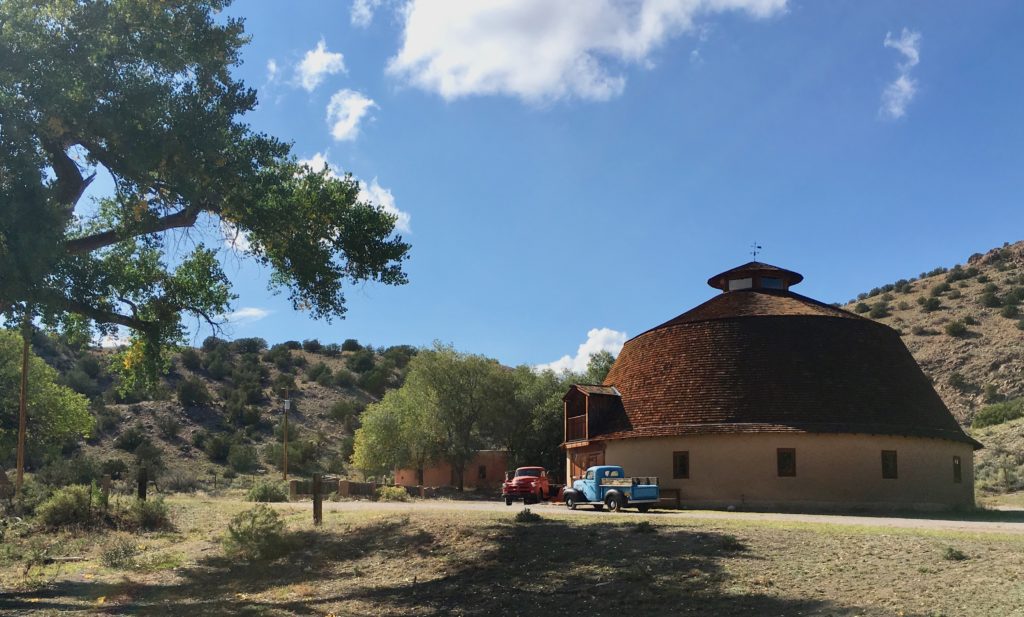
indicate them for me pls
(832, 471)
(494, 462)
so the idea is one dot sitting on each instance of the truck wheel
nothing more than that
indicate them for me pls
(570, 501)
(614, 503)
(644, 507)
(508, 501)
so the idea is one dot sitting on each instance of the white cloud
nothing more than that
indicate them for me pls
(362, 12)
(598, 339)
(318, 63)
(370, 192)
(901, 91)
(272, 70)
(541, 50)
(113, 341)
(234, 238)
(246, 314)
(345, 111)
(373, 193)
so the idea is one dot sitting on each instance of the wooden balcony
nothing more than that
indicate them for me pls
(576, 428)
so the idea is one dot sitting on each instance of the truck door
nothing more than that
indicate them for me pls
(590, 486)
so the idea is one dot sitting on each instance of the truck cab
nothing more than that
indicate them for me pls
(530, 484)
(607, 486)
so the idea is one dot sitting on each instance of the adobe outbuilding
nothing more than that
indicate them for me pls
(763, 397)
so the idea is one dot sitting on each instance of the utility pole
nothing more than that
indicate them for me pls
(23, 404)
(287, 406)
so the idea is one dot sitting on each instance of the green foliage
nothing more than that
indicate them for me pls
(1010, 311)
(990, 300)
(879, 310)
(191, 359)
(267, 491)
(149, 515)
(192, 392)
(120, 553)
(68, 506)
(598, 366)
(525, 516)
(312, 345)
(999, 413)
(56, 413)
(253, 345)
(162, 112)
(956, 328)
(360, 361)
(960, 383)
(343, 410)
(939, 289)
(992, 394)
(953, 554)
(861, 307)
(903, 305)
(255, 534)
(375, 381)
(283, 382)
(351, 344)
(130, 439)
(392, 493)
(242, 458)
(314, 372)
(332, 350)
(217, 447)
(1020, 324)
(344, 379)
(931, 304)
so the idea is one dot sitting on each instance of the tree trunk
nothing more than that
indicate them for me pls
(419, 475)
(22, 405)
(460, 474)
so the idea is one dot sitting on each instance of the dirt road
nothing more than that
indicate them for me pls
(933, 524)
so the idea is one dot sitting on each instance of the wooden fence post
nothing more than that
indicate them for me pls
(143, 482)
(293, 490)
(318, 500)
(105, 490)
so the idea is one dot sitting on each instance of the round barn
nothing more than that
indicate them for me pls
(764, 397)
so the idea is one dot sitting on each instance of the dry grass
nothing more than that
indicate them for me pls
(481, 563)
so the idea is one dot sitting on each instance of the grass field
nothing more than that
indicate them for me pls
(453, 562)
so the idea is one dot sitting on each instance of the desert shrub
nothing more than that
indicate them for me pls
(191, 359)
(80, 381)
(983, 278)
(114, 467)
(282, 382)
(280, 356)
(918, 331)
(931, 304)
(267, 491)
(130, 439)
(526, 516)
(251, 345)
(192, 392)
(332, 350)
(954, 294)
(999, 413)
(400, 355)
(953, 554)
(375, 381)
(314, 372)
(149, 515)
(971, 321)
(342, 410)
(959, 382)
(939, 289)
(1020, 324)
(179, 481)
(392, 493)
(120, 553)
(168, 425)
(68, 506)
(992, 394)
(312, 345)
(211, 343)
(878, 310)
(243, 459)
(107, 418)
(1015, 296)
(990, 300)
(325, 379)
(862, 307)
(351, 344)
(1010, 311)
(257, 533)
(218, 368)
(990, 288)
(956, 328)
(344, 379)
(292, 345)
(65, 471)
(217, 447)
(903, 305)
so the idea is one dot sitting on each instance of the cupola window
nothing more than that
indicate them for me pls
(746, 283)
(771, 282)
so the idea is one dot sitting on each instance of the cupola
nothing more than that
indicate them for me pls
(755, 275)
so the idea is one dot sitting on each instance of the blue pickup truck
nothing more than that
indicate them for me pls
(607, 486)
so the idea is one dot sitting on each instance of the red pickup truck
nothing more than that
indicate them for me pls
(527, 483)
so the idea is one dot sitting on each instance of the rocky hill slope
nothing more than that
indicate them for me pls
(964, 325)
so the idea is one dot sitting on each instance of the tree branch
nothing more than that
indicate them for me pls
(70, 184)
(182, 218)
(56, 300)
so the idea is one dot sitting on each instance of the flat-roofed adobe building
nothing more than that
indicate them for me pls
(764, 397)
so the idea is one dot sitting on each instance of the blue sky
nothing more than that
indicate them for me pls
(575, 171)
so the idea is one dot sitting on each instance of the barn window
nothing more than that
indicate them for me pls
(481, 472)
(958, 476)
(770, 282)
(787, 462)
(741, 284)
(681, 465)
(889, 470)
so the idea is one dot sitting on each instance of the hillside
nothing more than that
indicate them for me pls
(218, 411)
(963, 326)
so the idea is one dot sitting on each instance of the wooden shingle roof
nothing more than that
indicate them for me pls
(775, 361)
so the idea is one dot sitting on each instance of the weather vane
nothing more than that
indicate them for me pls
(755, 248)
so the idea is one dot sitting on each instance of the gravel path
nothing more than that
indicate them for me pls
(829, 519)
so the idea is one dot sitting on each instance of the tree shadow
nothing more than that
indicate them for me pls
(498, 567)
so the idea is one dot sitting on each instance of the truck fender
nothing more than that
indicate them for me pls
(614, 500)
(570, 496)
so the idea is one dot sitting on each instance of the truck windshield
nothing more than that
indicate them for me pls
(535, 473)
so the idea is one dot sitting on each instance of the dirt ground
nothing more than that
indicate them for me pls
(454, 558)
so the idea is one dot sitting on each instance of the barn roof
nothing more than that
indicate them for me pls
(765, 360)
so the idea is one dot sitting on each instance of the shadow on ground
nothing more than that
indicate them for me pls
(398, 567)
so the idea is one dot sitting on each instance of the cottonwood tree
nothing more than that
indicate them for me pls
(399, 431)
(142, 92)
